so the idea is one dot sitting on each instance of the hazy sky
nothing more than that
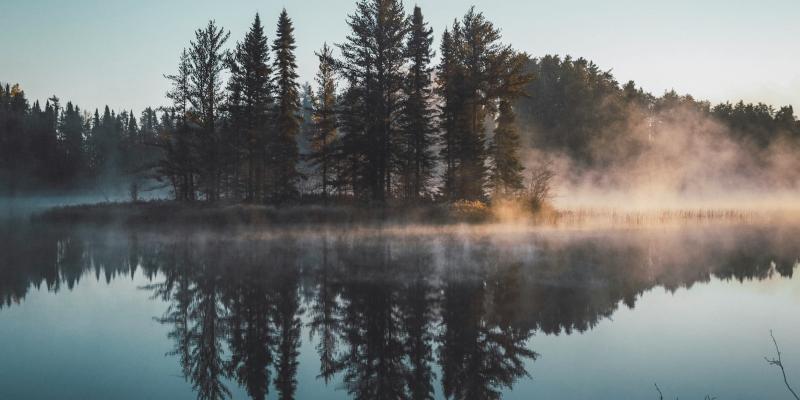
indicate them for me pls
(114, 52)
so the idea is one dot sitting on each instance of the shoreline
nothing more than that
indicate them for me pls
(221, 215)
(171, 213)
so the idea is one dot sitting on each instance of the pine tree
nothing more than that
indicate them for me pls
(70, 130)
(207, 64)
(146, 152)
(131, 143)
(250, 103)
(477, 44)
(283, 145)
(93, 156)
(506, 175)
(132, 128)
(448, 78)
(15, 157)
(373, 59)
(324, 123)
(471, 77)
(43, 142)
(178, 164)
(417, 159)
(149, 126)
(304, 168)
(507, 169)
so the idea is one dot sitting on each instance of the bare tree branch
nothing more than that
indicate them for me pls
(540, 188)
(779, 363)
(660, 395)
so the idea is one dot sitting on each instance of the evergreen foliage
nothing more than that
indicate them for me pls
(382, 124)
(282, 146)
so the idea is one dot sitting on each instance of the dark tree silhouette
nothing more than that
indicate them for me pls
(382, 127)
(283, 151)
(207, 60)
(506, 174)
(373, 57)
(249, 105)
(417, 161)
(324, 123)
(178, 142)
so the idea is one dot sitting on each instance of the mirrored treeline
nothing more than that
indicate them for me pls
(391, 315)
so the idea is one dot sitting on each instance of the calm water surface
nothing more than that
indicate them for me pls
(101, 313)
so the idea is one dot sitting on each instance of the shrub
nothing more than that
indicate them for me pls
(470, 211)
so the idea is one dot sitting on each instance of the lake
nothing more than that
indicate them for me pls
(395, 313)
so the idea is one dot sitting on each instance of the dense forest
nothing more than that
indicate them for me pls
(64, 149)
(389, 118)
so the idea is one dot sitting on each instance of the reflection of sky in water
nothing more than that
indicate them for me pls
(710, 339)
(102, 340)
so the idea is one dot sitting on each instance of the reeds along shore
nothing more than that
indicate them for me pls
(616, 217)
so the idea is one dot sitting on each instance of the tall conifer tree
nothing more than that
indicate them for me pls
(72, 139)
(448, 77)
(250, 104)
(417, 158)
(324, 124)
(373, 60)
(507, 168)
(506, 174)
(178, 143)
(283, 145)
(207, 64)
(471, 82)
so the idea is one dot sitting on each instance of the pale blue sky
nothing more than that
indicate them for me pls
(98, 52)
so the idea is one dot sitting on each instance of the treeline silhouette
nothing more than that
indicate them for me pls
(380, 137)
(384, 311)
(62, 148)
(381, 123)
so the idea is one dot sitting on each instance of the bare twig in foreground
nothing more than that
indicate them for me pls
(779, 364)
(660, 395)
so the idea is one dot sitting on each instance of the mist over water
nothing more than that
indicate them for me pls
(467, 311)
(688, 161)
(665, 253)
(24, 206)
(615, 145)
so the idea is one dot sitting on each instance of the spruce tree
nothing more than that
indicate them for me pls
(417, 158)
(477, 43)
(149, 126)
(45, 141)
(283, 145)
(94, 158)
(448, 79)
(178, 144)
(324, 124)
(14, 159)
(473, 77)
(507, 168)
(506, 175)
(373, 60)
(307, 96)
(250, 103)
(72, 140)
(207, 64)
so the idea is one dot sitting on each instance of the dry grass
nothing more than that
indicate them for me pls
(613, 217)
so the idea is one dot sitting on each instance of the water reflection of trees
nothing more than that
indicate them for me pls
(389, 317)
